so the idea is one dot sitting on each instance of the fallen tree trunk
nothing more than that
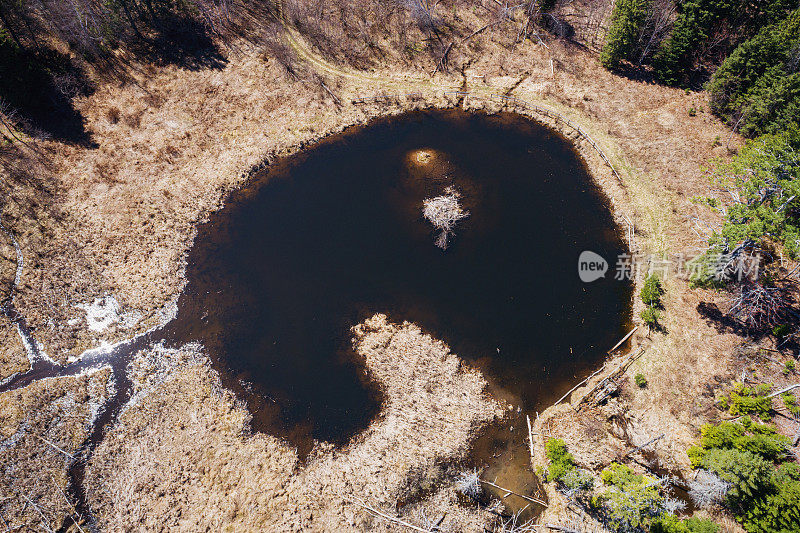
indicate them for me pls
(620, 368)
(787, 389)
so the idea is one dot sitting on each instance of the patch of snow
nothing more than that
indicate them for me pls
(168, 313)
(101, 313)
(129, 319)
(8, 378)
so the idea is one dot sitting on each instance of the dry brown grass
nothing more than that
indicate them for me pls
(172, 142)
(213, 474)
(34, 422)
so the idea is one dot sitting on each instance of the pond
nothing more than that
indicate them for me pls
(335, 233)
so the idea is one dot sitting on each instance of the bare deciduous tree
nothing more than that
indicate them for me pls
(444, 212)
(708, 489)
(425, 12)
(759, 306)
(660, 16)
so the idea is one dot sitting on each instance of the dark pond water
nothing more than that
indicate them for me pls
(327, 237)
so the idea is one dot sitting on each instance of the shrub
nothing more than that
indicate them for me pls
(781, 330)
(762, 497)
(577, 480)
(769, 162)
(627, 20)
(640, 380)
(705, 272)
(751, 400)
(760, 439)
(632, 501)
(561, 461)
(652, 291)
(790, 401)
(779, 508)
(749, 474)
(692, 111)
(672, 524)
(651, 316)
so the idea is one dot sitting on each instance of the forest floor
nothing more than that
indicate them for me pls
(117, 218)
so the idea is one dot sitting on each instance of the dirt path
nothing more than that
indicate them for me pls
(305, 52)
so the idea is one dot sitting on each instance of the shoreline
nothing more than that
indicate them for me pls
(168, 175)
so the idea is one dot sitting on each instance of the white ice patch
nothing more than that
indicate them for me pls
(105, 311)
(101, 313)
(168, 313)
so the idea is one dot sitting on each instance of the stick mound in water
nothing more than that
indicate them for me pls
(443, 212)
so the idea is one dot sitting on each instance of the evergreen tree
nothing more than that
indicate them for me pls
(758, 85)
(692, 28)
(627, 20)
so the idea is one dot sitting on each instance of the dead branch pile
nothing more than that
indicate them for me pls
(758, 306)
(444, 212)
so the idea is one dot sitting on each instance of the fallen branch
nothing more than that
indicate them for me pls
(476, 32)
(69, 503)
(626, 337)
(390, 518)
(443, 59)
(8, 124)
(55, 447)
(5, 522)
(605, 380)
(593, 374)
(509, 491)
(335, 98)
(8, 300)
(46, 524)
(562, 528)
(787, 389)
(619, 457)
(530, 435)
